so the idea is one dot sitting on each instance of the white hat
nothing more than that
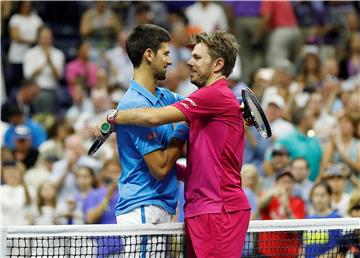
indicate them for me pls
(275, 99)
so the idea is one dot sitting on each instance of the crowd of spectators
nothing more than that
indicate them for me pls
(62, 72)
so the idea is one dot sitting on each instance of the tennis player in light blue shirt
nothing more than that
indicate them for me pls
(137, 186)
(148, 183)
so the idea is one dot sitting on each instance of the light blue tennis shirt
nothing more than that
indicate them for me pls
(137, 186)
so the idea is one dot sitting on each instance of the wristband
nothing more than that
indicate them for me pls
(181, 132)
(111, 116)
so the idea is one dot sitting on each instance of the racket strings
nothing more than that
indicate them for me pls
(256, 113)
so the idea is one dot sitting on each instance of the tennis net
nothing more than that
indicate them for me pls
(276, 238)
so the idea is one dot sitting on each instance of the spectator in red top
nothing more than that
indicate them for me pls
(281, 204)
(81, 70)
(285, 37)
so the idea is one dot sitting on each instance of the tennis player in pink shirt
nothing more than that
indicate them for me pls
(217, 212)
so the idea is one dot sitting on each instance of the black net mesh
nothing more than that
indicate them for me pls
(314, 243)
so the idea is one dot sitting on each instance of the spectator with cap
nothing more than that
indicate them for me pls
(335, 176)
(280, 203)
(321, 202)
(276, 164)
(301, 144)
(44, 63)
(274, 106)
(23, 150)
(16, 117)
(22, 99)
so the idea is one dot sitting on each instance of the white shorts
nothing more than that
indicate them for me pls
(145, 246)
(150, 214)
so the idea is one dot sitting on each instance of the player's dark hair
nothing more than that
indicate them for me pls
(143, 37)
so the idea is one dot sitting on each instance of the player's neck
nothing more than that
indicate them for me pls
(213, 78)
(146, 79)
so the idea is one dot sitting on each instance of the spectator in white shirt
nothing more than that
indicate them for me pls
(23, 26)
(274, 105)
(121, 69)
(207, 16)
(45, 64)
(15, 198)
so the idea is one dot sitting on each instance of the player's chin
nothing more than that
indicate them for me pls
(161, 76)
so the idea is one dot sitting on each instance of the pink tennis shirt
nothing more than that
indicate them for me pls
(216, 146)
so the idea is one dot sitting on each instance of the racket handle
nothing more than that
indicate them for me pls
(105, 129)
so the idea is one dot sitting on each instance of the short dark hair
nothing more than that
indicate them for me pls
(221, 44)
(143, 37)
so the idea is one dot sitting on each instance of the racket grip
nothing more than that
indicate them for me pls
(106, 129)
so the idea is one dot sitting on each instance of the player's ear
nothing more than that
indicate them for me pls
(148, 55)
(219, 64)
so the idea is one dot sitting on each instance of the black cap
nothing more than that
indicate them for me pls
(284, 173)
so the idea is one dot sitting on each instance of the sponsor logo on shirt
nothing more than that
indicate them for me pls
(151, 136)
(191, 101)
(184, 105)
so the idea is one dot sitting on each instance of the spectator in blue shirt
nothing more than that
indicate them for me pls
(322, 242)
(99, 205)
(17, 117)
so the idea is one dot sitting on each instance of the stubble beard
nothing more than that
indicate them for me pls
(160, 76)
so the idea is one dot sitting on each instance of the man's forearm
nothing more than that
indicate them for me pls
(161, 162)
(149, 116)
(172, 153)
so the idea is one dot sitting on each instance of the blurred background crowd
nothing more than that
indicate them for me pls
(64, 64)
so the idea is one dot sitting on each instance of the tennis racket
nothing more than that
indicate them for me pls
(254, 113)
(106, 129)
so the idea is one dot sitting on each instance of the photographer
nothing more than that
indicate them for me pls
(99, 206)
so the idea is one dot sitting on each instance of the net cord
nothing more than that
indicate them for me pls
(172, 228)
